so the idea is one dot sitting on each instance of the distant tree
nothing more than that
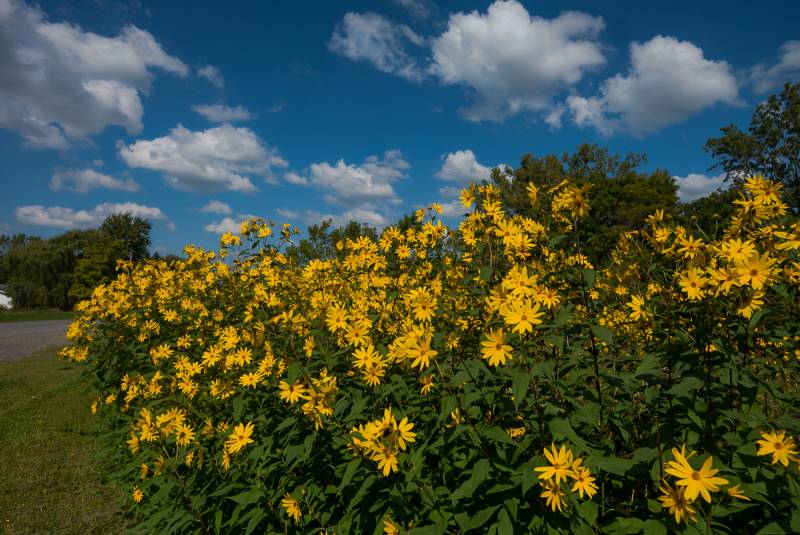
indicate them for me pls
(322, 239)
(96, 265)
(710, 214)
(621, 195)
(770, 147)
(132, 232)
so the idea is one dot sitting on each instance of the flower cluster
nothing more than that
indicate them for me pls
(564, 468)
(254, 380)
(383, 439)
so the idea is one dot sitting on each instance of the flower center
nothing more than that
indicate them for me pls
(696, 476)
(778, 445)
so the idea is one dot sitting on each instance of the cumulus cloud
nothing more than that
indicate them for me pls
(667, 82)
(213, 75)
(356, 185)
(216, 159)
(216, 207)
(462, 166)
(514, 61)
(787, 69)
(372, 38)
(695, 185)
(361, 215)
(84, 180)
(67, 218)
(219, 113)
(60, 84)
(227, 224)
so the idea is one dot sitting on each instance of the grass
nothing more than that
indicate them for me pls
(50, 480)
(34, 315)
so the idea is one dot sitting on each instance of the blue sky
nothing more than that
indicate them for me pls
(196, 116)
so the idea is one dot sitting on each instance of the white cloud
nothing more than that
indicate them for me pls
(213, 75)
(462, 166)
(277, 108)
(453, 209)
(209, 160)
(787, 69)
(356, 185)
(695, 185)
(59, 217)
(362, 215)
(60, 84)
(219, 113)
(296, 179)
(514, 61)
(419, 8)
(84, 180)
(372, 38)
(667, 82)
(216, 207)
(288, 214)
(227, 224)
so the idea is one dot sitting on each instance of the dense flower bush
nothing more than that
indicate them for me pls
(488, 379)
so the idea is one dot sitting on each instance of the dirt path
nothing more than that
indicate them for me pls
(22, 338)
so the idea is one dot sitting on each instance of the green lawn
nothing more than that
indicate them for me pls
(50, 476)
(33, 315)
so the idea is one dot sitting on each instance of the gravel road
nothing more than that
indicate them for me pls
(21, 338)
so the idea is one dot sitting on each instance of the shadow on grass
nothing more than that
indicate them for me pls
(50, 481)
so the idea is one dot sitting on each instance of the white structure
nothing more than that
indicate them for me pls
(5, 301)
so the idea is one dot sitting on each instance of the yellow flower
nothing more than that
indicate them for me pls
(736, 492)
(292, 507)
(756, 270)
(239, 438)
(695, 481)
(554, 495)
(291, 393)
(403, 432)
(389, 527)
(675, 500)
(427, 385)
(184, 435)
(387, 460)
(781, 447)
(420, 351)
(522, 315)
(138, 495)
(495, 349)
(636, 305)
(692, 283)
(584, 482)
(560, 464)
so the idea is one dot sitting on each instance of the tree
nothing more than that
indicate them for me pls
(621, 195)
(321, 241)
(770, 147)
(133, 233)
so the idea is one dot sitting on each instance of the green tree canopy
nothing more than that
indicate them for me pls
(770, 146)
(621, 195)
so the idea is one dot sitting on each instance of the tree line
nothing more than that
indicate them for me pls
(58, 272)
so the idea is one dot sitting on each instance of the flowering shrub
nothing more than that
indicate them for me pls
(488, 379)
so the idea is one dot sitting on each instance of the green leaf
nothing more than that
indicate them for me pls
(519, 385)
(654, 527)
(480, 470)
(562, 429)
(251, 496)
(685, 386)
(603, 333)
(504, 525)
(613, 465)
(486, 273)
(349, 472)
